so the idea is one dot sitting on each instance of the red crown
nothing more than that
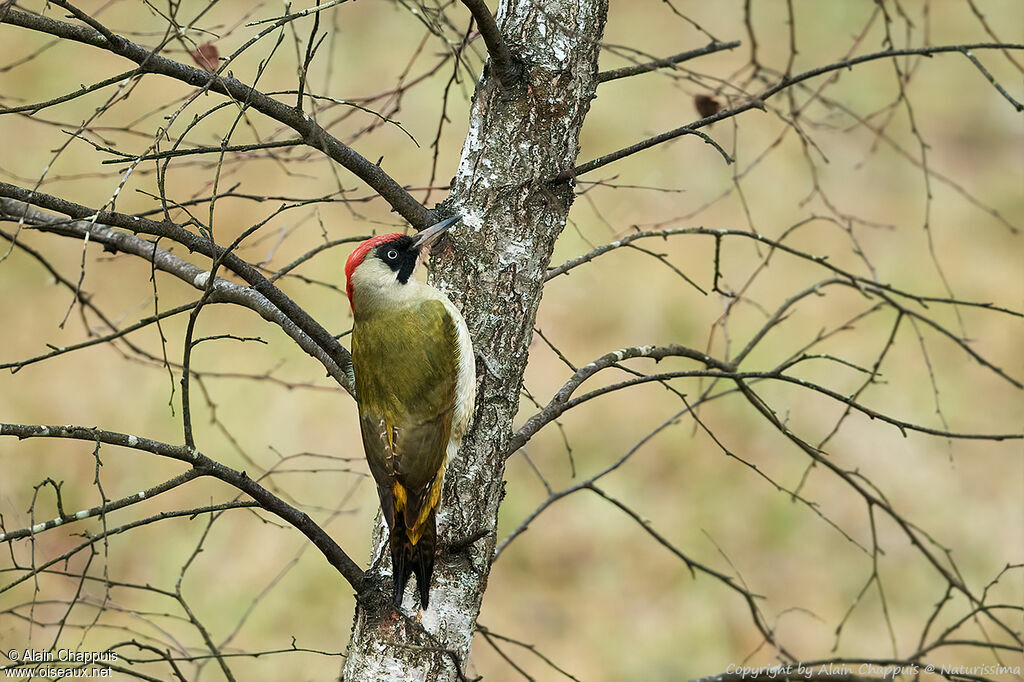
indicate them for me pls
(357, 256)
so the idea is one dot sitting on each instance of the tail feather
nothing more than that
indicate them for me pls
(400, 566)
(423, 558)
(408, 559)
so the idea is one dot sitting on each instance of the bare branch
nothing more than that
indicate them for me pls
(334, 554)
(39, 106)
(666, 62)
(558, 403)
(99, 510)
(991, 79)
(277, 144)
(504, 64)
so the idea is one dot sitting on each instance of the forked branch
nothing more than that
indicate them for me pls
(757, 101)
(334, 554)
(503, 63)
(263, 297)
(309, 130)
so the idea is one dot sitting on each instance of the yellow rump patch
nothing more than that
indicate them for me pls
(416, 532)
(399, 493)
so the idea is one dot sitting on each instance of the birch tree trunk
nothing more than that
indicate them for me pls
(520, 134)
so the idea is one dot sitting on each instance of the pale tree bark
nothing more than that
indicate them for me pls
(521, 132)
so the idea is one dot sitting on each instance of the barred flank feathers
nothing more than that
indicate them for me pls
(407, 558)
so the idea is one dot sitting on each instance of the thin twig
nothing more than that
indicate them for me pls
(664, 63)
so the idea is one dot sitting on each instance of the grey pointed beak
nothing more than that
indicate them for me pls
(428, 236)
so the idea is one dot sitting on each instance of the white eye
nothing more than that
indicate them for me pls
(392, 254)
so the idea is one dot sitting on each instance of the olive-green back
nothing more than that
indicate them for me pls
(406, 369)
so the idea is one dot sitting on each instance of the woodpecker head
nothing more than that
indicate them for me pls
(382, 267)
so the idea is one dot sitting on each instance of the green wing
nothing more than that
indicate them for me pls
(406, 368)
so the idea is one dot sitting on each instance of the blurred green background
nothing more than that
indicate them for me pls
(585, 583)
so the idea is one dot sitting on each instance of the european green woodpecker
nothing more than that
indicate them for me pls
(415, 385)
